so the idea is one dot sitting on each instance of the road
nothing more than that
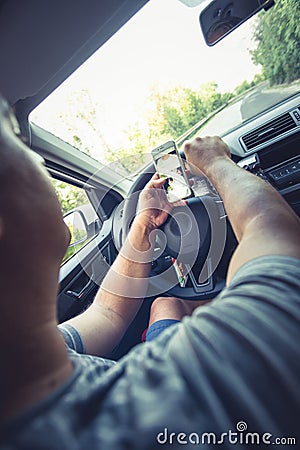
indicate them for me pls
(263, 98)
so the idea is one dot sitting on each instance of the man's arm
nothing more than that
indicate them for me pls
(263, 222)
(122, 291)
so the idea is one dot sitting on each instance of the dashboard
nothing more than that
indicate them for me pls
(269, 147)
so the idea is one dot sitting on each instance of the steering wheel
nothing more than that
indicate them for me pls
(193, 247)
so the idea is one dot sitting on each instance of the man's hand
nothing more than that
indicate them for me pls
(153, 206)
(201, 153)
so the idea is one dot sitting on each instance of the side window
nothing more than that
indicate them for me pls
(79, 215)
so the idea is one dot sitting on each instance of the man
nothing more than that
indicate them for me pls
(230, 368)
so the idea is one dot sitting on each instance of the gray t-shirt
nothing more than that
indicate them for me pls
(228, 375)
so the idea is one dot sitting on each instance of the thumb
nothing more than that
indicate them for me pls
(158, 183)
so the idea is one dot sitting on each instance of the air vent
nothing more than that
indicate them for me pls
(268, 131)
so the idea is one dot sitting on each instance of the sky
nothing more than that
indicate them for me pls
(162, 45)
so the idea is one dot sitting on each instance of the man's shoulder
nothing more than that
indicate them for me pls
(271, 267)
(53, 421)
(274, 280)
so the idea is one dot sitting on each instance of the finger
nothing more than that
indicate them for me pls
(179, 203)
(155, 183)
(187, 146)
(154, 177)
(160, 182)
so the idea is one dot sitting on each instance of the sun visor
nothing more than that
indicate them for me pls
(44, 42)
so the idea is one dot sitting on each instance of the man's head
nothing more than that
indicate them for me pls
(33, 236)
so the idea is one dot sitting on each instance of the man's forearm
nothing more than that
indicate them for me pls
(120, 296)
(127, 281)
(247, 197)
(263, 222)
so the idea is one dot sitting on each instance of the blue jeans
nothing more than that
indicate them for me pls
(157, 327)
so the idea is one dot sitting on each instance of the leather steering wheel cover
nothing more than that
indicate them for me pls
(131, 201)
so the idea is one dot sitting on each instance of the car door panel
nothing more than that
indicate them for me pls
(81, 276)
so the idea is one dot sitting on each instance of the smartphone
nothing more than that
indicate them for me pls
(170, 165)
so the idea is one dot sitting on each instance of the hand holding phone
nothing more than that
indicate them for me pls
(169, 165)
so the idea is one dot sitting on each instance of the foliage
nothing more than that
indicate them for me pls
(170, 113)
(246, 85)
(82, 115)
(127, 159)
(278, 41)
(176, 110)
(69, 196)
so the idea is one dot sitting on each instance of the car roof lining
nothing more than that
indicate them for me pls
(39, 48)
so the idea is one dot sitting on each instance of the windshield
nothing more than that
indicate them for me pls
(246, 106)
(156, 78)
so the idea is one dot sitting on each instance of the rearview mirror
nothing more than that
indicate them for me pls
(221, 17)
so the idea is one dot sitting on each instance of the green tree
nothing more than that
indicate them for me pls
(133, 154)
(170, 113)
(69, 196)
(278, 41)
(174, 111)
(246, 85)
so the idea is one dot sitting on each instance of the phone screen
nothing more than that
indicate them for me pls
(170, 165)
